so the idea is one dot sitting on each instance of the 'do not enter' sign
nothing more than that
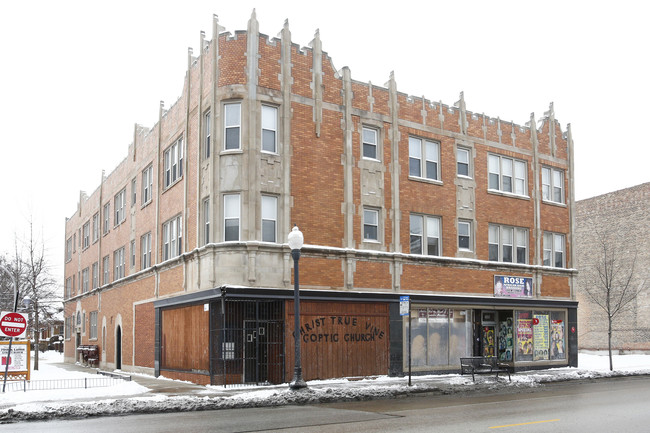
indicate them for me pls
(13, 324)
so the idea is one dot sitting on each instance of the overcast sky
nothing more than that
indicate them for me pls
(77, 75)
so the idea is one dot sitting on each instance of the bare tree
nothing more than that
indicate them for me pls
(37, 283)
(611, 280)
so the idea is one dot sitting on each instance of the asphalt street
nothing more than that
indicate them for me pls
(597, 405)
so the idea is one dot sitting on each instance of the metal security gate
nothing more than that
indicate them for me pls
(247, 342)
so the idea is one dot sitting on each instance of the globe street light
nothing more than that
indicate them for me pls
(296, 241)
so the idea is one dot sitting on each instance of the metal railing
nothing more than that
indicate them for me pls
(87, 382)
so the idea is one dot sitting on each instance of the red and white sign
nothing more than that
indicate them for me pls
(13, 325)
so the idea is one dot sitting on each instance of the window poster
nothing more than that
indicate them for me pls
(524, 338)
(505, 340)
(557, 339)
(540, 336)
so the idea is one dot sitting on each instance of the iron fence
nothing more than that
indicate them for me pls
(87, 382)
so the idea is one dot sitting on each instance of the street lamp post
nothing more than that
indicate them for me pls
(296, 241)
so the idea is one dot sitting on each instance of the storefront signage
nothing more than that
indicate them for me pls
(335, 329)
(513, 287)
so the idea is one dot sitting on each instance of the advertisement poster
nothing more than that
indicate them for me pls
(17, 360)
(557, 339)
(513, 287)
(524, 337)
(540, 336)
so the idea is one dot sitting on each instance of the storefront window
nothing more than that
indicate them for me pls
(540, 335)
(557, 350)
(524, 323)
(439, 336)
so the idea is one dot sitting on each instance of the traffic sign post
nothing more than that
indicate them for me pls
(405, 310)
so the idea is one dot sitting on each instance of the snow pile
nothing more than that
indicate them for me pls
(120, 399)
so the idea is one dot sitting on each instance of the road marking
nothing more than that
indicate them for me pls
(525, 423)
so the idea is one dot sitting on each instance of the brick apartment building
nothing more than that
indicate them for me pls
(622, 218)
(178, 263)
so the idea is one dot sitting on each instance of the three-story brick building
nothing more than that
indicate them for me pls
(178, 263)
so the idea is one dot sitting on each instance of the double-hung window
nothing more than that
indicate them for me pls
(507, 175)
(86, 235)
(174, 162)
(507, 244)
(424, 157)
(93, 325)
(172, 238)
(462, 161)
(120, 207)
(269, 128)
(147, 184)
(231, 215)
(95, 275)
(95, 227)
(554, 249)
(232, 126)
(118, 264)
(85, 277)
(369, 142)
(106, 270)
(207, 133)
(107, 217)
(68, 249)
(425, 235)
(145, 251)
(269, 218)
(552, 185)
(371, 225)
(465, 235)
(206, 221)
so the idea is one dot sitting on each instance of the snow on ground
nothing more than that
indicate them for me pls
(130, 397)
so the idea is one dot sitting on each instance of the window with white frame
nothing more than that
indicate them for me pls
(132, 261)
(462, 162)
(107, 217)
(85, 277)
(554, 250)
(68, 249)
(118, 264)
(553, 184)
(145, 251)
(269, 128)
(465, 235)
(507, 175)
(232, 126)
(120, 207)
(147, 184)
(172, 238)
(231, 214)
(207, 133)
(369, 142)
(86, 235)
(425, 235)
(269, 218)
(424, 157)
(134, 185)
(106, 270)
(95, 227)
(68, 287)
(370, 225)
(93, 325)
(173, 160)
(507, 244)
(206, 221)
(95, 275)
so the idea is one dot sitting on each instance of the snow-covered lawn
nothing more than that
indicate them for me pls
(18, 405)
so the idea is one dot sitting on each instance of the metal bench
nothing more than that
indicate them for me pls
(483, 365)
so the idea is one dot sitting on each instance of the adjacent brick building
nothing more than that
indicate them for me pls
(622, 218)
(178, 263)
